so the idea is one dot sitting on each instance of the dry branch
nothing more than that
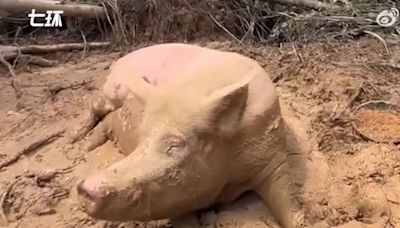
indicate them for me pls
(40, 61)
(313, 4)
(9, 52)
(13, 76)
(74, 10)
(54, 89)
(3, 217)
(31, 147)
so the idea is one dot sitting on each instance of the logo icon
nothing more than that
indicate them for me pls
(388, 18)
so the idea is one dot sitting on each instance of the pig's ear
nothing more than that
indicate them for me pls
(140, 87)
(227, 105)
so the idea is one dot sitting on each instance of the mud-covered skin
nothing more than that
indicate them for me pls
(211, 134)
(166, 59)
(119, 126)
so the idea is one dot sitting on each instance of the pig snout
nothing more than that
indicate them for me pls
(93, 193)
(101, 200)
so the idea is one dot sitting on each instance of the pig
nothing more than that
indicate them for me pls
(156, 64)
(119, 126)
(207, 135)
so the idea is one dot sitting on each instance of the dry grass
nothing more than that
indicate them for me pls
(164, 20)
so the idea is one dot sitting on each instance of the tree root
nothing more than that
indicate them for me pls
(3, 217)
(13, 76)
(54, 89)
(313, 4)
(26, 149)
(39, 61)
(10, 52)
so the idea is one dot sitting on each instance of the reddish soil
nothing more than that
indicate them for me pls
(352, 182)
(381, 126)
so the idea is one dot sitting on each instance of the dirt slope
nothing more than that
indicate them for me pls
(353, 182)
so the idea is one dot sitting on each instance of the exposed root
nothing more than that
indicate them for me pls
(40, 61)
(225, 29)
(10, 52)
(349, 103)
(31, 147)
(313, 4)
(13, 76)
(48, 175)
(3, 217)
(374, 102)
(54, 89)
(380, 39)
(16, 126)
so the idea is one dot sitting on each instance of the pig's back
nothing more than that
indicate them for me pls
(213, 70)
(160, 63)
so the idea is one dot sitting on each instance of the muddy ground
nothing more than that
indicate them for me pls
(354, 183)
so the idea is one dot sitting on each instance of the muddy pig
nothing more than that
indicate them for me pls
(156, 64)
(119, 126)
(212, 133)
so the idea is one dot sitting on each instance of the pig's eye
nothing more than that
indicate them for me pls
(174, 146)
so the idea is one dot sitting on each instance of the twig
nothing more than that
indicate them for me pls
(47, 175)
(351, 100)
(313, 4)
(14, 85)
(22, 121)
(355, 95)
(374, 102)
(10, 52)
(40, 61)
(58, 88)
(31, 147)
(297, 54)
(380, 39)
(9, 66)
(3, 198)
(16, 126)
(225, 29)
(85, 47)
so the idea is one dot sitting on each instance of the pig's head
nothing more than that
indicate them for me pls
(181, 162)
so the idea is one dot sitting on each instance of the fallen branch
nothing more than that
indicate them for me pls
(3, 217)
(13, 76)
(38, 60)
(54, 89)
(380, 39)
(3, 198)
(31, 147)
(73, 10)
(44, 176)
(313, 4)
(10, 52)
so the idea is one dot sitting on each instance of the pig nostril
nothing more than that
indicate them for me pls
(83, 192)
(92, 199)
(86, 194)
